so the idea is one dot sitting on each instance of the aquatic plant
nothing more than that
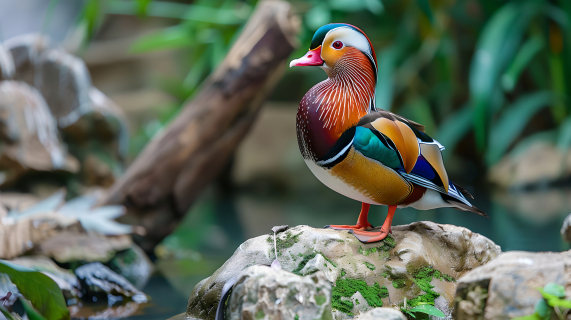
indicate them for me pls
(553, 301)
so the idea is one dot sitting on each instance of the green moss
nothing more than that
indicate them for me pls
(284, 242)
(259, 314)
(343, 306)
(386, 246)
(422, 278)
(343, 273)
(398, 280)
(328, 260)
(366, 252)
(296, 317)
(304, 261)
(398, 283)
(389, 243)
(348, 287)
(370, 266)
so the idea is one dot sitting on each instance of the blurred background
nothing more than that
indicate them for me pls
(489, 79)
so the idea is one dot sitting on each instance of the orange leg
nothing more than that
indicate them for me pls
(368, 237)
(362, 222)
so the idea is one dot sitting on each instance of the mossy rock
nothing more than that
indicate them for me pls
(419, 262)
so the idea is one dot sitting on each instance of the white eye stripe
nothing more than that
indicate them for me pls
(349, 37)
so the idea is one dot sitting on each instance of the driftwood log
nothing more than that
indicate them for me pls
(173, 169)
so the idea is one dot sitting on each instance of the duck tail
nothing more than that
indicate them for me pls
(459, 205)
(463, 191)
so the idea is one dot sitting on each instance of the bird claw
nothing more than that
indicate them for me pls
(357, 227)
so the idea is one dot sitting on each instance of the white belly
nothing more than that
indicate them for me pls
(336, 184)
(430, 200)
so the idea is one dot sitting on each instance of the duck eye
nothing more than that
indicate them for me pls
(337, 45)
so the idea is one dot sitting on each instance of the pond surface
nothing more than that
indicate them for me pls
(218, 224)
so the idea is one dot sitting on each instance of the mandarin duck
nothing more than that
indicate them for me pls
(364, 153)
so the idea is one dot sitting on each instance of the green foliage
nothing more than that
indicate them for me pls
(512, 121)
(6, 313)
(424, 303)
(553, 301)
(456, 66)
(427, 309)
(43, 292)
(30, 312)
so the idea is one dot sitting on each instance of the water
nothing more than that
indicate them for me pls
(220, 222)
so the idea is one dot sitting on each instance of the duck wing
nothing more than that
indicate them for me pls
(401, 145)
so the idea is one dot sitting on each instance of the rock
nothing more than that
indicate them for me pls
(98, 136)
(29, 134)
(566, 229)
(62, 79)
(420, 262)
(7, 67)
(507, 286)
(535, 163)
(382, 313)
(261, 292)
(93, 127)
(133, 264)
(98, 281)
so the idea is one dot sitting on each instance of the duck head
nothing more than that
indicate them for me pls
(336, 45)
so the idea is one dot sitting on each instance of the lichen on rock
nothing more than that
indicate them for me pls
(419, 263)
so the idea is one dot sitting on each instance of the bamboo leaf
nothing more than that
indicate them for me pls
(512, 121)
(142, 6)
(564, 140)
(496, 47)
(531, 47)
(169, 38)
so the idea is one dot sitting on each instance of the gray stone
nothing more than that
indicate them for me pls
(507, 286)
(261, 292)
(97, 278)
(62, 79)
(360, 305)
(318, 263)
(7, 68)
(133, 264)
(30, 134)
(92, 126)
(382, 313)
(394, 263)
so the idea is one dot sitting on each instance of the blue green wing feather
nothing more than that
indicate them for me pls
(375, 145)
